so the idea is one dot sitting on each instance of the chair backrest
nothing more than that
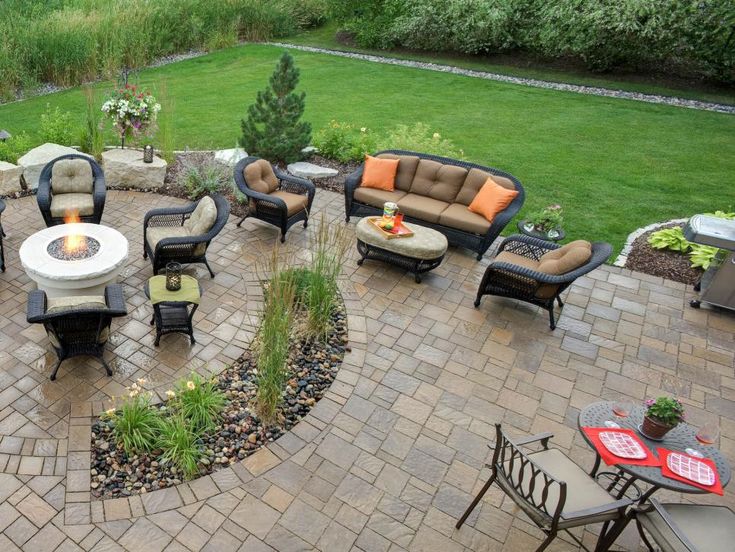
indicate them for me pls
(203, 217)
(79, 327)
(72, 176)
(539, 494)
(257, 174)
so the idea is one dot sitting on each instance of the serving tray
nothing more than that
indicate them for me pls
(401, 231)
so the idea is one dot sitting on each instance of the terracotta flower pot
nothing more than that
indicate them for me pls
(655, 429)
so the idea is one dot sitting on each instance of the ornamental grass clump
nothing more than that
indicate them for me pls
(135, 424)
(273, 340)
(328, 250)
(199, 402)
(180, 445)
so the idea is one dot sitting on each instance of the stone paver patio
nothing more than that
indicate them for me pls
(389, 459)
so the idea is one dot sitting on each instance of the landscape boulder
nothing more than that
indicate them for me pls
(230, 157)
(310, 170)
(9, 178)
(35, 160)
(125, 168)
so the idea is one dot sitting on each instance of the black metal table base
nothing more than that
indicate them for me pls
(411, 264)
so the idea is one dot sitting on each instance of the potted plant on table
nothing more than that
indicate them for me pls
(662, 415)
(547, 221)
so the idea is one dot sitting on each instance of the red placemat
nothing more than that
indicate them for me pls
(609, 458)
(716, 488)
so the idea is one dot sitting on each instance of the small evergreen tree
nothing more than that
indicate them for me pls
(273, 130)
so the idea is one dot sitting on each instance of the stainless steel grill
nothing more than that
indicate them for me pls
(717, 286)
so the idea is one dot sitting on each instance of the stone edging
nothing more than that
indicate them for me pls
(535, 83)
(80, 509)
(622, 258)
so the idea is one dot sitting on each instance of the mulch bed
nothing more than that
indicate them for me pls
(312, 366)
(661, 262)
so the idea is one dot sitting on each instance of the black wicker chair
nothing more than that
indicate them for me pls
(77, 329)
(456, 237)
(525, 284)
(90, 212)
(173, 240)
(275, 196)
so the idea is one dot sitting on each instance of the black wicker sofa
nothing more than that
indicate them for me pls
(435, 191)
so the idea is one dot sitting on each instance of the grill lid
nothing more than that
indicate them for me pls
(709, 230)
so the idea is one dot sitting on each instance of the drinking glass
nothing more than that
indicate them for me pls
(709, 432)
(622, 407)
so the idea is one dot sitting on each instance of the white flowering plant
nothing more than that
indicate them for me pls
(133, 112)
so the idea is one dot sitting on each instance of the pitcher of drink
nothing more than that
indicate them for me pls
(389, 211)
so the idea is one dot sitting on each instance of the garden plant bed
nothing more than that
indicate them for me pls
(313, 367)
(665, 263)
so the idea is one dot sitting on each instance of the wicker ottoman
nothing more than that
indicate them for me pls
(420, 253)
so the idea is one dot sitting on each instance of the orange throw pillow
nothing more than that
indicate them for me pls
(380, 173)
(491, 199)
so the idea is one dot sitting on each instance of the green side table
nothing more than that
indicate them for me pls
(173, 311)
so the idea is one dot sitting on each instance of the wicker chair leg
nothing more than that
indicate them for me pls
(552, 322)
(55, 369)
(107, 366)
(211, 272)
(242, 220)
(558, 299)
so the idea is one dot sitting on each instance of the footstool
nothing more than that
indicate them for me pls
(419, 253)
(173, 311)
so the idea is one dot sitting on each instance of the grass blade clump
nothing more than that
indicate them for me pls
(180, 445)
(136, 424)
(273, 339)
(329, 247)
(200, 403)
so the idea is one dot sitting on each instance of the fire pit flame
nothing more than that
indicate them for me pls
(74, 243)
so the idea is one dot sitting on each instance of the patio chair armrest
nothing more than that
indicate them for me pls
(115, 299)
(620, 504)
(527, 246)
(352, 181)
(98, 193)
(36, 306)
(164, 216)
(304, 183)
(530, 439)
(539, 277)
(43, 196)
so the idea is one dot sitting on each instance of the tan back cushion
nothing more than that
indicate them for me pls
(438, 181)
(72, 176)
(474, 182)
(260, 177)
(75, 302)
(406, 169)
(203, 217)
(565, 259)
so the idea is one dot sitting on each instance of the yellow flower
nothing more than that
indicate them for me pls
(134, 386)
(141, 381)
(133, 394)
(170, 394)
(436, 136)
(363, 129)
(110, 411)
(190, 385)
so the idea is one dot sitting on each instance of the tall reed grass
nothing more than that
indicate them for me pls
(66, 42)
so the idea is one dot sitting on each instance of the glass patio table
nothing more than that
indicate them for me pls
(680, 438)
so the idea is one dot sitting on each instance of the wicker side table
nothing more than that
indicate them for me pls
(172, 315)
(420, 253)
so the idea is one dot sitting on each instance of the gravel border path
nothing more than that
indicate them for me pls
(579, 89)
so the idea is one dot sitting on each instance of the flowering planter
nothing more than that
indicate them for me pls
(654, 429)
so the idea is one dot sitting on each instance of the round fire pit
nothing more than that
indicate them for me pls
(74, 259)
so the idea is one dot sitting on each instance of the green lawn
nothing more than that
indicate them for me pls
(324, 37)
(614, 165)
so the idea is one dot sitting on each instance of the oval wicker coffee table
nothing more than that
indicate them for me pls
(419, 253)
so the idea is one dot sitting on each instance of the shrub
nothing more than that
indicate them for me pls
(56, 126)
(91, 140)
(179, 444)
(670, 238)
(328, 249)
(273, 340)
(200, 178)
(420, 138)
(272, 129)
(344, 142)
(15, 147)
(200, 403)
(136, 424)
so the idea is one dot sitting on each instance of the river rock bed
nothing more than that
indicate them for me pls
(312, 366)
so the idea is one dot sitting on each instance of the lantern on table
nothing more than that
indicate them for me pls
(173, 276)
(148, 154)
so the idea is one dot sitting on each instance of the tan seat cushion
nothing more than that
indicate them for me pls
(203, 218)
(474, 182)
(63, 205)
(422, 208)
(544, 291)
(583, 492)
(438, 181)
(376, 198)
(157, 233)
(710, 528)
(565, 259)
(460, 217)
(406, 169)
(72, 176)
(260, 177)
(294, 202)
